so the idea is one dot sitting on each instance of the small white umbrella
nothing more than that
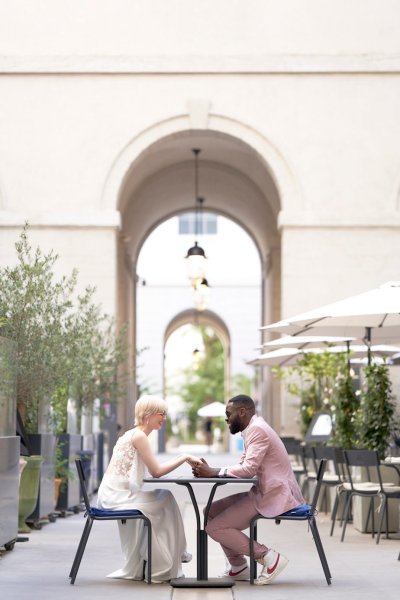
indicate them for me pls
(215, 409)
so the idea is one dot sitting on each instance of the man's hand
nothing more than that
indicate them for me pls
(204, 470)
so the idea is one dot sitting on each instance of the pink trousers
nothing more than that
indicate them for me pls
(226, 520)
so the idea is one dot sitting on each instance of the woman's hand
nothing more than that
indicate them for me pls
(192, 460)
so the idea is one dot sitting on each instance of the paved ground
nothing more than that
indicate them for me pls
(361, 570)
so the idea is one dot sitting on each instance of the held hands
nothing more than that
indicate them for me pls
(192, 460)
(202, 469)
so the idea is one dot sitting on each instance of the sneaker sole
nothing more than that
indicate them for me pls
(283, 561)
(240, 577)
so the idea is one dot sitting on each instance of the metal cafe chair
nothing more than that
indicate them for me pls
(332, 477)
(295, 452)
(305, 512)
(342, 489)
(373, 488)
(310, 470)
(97, 514)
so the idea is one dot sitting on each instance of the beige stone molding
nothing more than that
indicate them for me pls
(291, 219)
(95, 219)
(182, 64)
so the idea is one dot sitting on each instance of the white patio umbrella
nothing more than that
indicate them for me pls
(306, 341)
(289, 356)
(215, 409)
(373, 314)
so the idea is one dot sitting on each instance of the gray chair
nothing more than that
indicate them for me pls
(372, 488)
(295, 452)
(305, 512)
(332, 475)
(97, 514)
(342, 489)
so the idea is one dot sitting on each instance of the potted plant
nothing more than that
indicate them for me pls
(9, 445)
(375, 426)
(377, 421)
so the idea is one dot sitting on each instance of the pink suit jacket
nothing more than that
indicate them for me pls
(265, 457)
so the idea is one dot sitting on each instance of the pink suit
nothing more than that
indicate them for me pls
(275, 492)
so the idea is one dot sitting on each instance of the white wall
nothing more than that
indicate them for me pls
(233, 272)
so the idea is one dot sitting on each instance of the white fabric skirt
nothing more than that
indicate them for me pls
(168, 536)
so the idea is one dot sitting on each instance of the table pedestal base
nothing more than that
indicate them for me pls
(191, 582)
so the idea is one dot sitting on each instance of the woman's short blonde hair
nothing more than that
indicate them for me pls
(148, 405)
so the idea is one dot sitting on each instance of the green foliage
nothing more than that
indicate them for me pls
(241, 384)
(313, 381)
(206, 384)
(65, 346)
(61, 466)
(377, 421)
(345, 407)
(35, 306)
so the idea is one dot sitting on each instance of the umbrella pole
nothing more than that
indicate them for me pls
(348, 356)
(368, 339)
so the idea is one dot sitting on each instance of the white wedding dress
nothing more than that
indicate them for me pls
(121, 488)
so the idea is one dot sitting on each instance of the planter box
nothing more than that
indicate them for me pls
(44, 444)
(99, 454)
(361, 506)
(9, 489)
(70, 497)
(89, 444)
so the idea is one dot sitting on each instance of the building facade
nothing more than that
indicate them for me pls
(294, 104)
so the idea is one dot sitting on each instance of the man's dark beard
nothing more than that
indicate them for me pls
(234, 425)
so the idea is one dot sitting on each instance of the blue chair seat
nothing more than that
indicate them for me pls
(301, 512)
(113, 514)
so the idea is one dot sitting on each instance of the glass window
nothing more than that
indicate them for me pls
(207, 224)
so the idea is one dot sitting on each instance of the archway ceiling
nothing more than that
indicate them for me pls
(206, 317)
(232, 179)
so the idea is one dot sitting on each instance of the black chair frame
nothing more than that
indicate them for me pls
(309, 516)
(341, 490)
(330, 480)
(369, 459)
(95, 514)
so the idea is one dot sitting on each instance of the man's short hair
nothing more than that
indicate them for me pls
(242, 401)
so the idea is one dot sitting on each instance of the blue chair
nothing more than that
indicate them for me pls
(305, 512)
(97, 514)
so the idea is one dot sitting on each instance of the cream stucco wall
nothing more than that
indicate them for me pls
(294, 103)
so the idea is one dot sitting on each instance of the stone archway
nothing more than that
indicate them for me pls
(208, 318)
(152, 180)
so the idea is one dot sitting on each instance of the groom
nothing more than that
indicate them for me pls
(275, 492)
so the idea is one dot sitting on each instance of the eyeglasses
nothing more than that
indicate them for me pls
(162, 414)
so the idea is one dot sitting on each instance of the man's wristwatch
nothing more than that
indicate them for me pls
(225, 473)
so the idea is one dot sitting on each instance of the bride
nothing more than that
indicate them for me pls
(121, 488)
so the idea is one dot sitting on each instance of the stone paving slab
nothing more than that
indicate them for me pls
(39, 568)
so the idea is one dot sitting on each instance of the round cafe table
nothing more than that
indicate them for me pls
(202, 579)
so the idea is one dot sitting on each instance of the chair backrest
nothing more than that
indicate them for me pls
(328, 452)
(368, 459)
(340, 463)
(293, 447)
(82, 479)
(309, 462)
(320, 476)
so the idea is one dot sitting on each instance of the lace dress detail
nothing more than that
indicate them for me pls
(126, 463)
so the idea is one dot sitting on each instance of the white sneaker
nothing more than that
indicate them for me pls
(237, 573)
(273, 564)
